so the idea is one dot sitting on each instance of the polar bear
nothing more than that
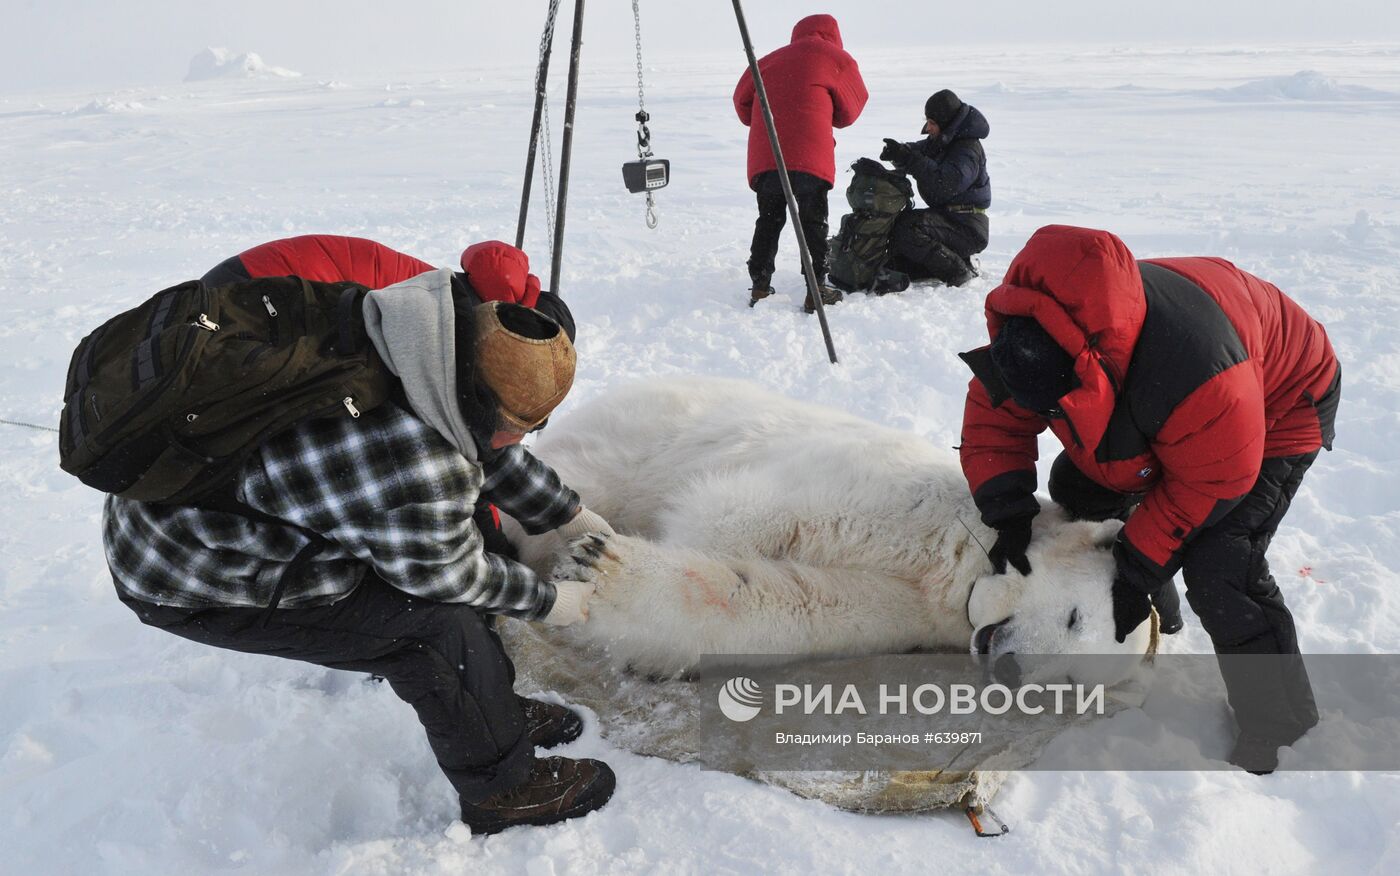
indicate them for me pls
(752, 524)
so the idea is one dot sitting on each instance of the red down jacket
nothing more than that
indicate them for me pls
(328, 258)
(498, 271)
(812, 85)
(1226, 370)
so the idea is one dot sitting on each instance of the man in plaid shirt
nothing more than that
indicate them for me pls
(388, 494)
(360, 553)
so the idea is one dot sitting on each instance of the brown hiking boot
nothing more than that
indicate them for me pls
(829, 295)
(758, 293)
(557, 788)
(548, 724)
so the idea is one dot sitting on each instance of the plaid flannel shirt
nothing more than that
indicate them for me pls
(386, 491)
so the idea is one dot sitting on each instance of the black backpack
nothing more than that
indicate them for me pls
(164, 402)
(861, 247)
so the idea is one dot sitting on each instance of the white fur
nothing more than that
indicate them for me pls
(749, 524)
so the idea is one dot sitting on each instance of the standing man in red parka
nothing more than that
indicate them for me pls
(1191, 398)
(812, 86)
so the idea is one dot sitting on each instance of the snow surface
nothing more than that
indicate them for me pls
(126, 750)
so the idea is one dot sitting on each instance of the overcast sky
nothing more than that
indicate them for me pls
(99, 43)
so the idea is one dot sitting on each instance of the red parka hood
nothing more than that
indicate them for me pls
(820, 26)
(1083, 286)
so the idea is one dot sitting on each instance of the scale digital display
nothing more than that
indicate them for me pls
(646, 174)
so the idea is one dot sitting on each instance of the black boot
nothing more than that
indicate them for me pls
(1272, 699)
(556, 789)
(888, 280)
(1255, 754)
(549, 725)
(949, 267)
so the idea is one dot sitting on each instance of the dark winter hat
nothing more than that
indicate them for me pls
(1035, 368)
(943, 107)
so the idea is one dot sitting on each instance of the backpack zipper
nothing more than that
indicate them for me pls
(349, 402)
(273, 335)
(182, 348)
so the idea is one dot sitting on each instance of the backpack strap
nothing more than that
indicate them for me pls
(308, 552)
(350, 321)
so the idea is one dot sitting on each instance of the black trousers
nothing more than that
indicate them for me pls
(919, 235)
(441, 658)
(1232, 592)
(810, 192)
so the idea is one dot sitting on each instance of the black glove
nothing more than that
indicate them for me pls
(896, 152)
(1137, 587)
(1013, 537)
(1130, 608)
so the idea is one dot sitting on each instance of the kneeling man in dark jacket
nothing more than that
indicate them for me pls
(950, 169)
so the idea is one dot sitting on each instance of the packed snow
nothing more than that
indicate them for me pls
(126, 750)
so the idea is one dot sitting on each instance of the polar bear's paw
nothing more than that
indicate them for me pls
(642, 582)
(589, 558)
(619, 566)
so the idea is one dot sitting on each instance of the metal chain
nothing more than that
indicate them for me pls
(29, 425)
(548, 36)
(643, 135)
(548, 162)
(546, 40)
(643, 132)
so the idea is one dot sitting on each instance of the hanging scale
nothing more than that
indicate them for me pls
(647, 173)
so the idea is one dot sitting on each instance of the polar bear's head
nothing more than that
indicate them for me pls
(1064, 607)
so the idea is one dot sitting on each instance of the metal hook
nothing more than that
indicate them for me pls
(651, 212)
(972, 815)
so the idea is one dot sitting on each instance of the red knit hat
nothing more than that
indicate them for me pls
(500, 272)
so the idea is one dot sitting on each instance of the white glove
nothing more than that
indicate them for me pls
(570, 603)
(584, 522)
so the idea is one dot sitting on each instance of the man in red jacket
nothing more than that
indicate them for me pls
(1191, 398)
(812, 86)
